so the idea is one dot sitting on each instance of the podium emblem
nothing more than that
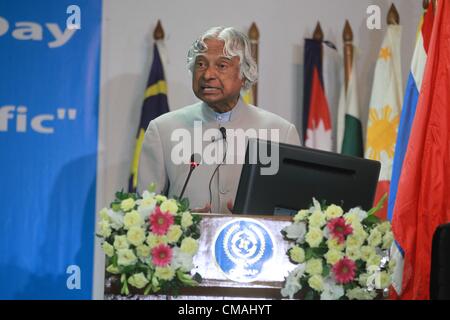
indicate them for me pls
(241, 248)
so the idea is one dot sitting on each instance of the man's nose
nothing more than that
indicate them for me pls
(210, 73)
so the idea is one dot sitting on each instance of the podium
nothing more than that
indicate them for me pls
(239, 257)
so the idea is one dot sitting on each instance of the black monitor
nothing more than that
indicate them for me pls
(303, 173)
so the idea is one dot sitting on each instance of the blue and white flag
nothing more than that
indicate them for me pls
(49, 94)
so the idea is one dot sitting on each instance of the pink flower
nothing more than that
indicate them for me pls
(339, 229)
(162, 255)
(160, 221)
(344, 270)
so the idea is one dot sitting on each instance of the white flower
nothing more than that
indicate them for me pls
(189, 246)
(374, 238)
(363, 279)
(314, 266)
(296, 231)
(182, 260)
(385, 280)
(108, 249)
(316, 282)
(120, 242)
(292, 284)
(186, 220)
(104, 214)
(333, 256)
(387, 240)
(164, 273)
(360, 234)
(384, 227)
(374, 260)
(360, 294)
(353, 241)
(314, 237)
(136, 236)
(367, 252)
(153, 240)
(116, 219)
(127, 204)
(331, 290)
(126, 257)
(103, 229)
(138, 280)
(143, 251)
(160, 198)
(112, 269)
(131, 219)
(334, 244)
(169, 206)
(174, 233)
(353, 252)
(355, 215)
(317, 219)
(297, 254)
(146, 205)
(333, 211)
(301, 215)
(316, 206)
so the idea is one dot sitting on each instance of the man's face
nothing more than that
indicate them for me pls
(216, 78)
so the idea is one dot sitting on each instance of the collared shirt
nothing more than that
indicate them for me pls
(223, 117)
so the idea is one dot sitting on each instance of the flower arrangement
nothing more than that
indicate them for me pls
(339, 255)
(149, 241)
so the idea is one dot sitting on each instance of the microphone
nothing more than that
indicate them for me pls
(223, 131)
(223, 135)
(193, 164)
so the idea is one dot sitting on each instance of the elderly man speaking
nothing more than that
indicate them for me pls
(221, 66)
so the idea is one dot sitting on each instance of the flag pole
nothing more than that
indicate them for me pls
(253, 35)
(393, 18)
(318, 36)
(318, 33)
(158, 33)
(347, 36)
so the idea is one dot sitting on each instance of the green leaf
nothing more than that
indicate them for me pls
(151, 187)
(379, 205)
(148, 288)
(326, 270)
(309, 295)
(184, 205)
(309, 253)
(115, 206)
(371, 220)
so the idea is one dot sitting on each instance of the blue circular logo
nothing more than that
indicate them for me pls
(241, 247)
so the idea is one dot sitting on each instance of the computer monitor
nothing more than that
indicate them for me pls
(304, 173)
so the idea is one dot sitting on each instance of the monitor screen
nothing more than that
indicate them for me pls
(302, 174)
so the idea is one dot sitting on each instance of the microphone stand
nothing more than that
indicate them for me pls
(193, 165)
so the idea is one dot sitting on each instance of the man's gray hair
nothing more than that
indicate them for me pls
(236, 43)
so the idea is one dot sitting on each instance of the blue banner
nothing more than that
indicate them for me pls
(49, 97)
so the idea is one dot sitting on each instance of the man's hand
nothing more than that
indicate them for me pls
(230, 205)
(205, 209)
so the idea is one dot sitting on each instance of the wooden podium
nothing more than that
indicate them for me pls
(216, 283)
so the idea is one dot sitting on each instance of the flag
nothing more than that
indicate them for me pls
(318, 125)
(155, 104)
(422, 201)
(384, 110)
(332, 68)
(407, 116)
(349, 131)
(247, 96)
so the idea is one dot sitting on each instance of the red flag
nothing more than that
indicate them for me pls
(318, 134)
(423, 200)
